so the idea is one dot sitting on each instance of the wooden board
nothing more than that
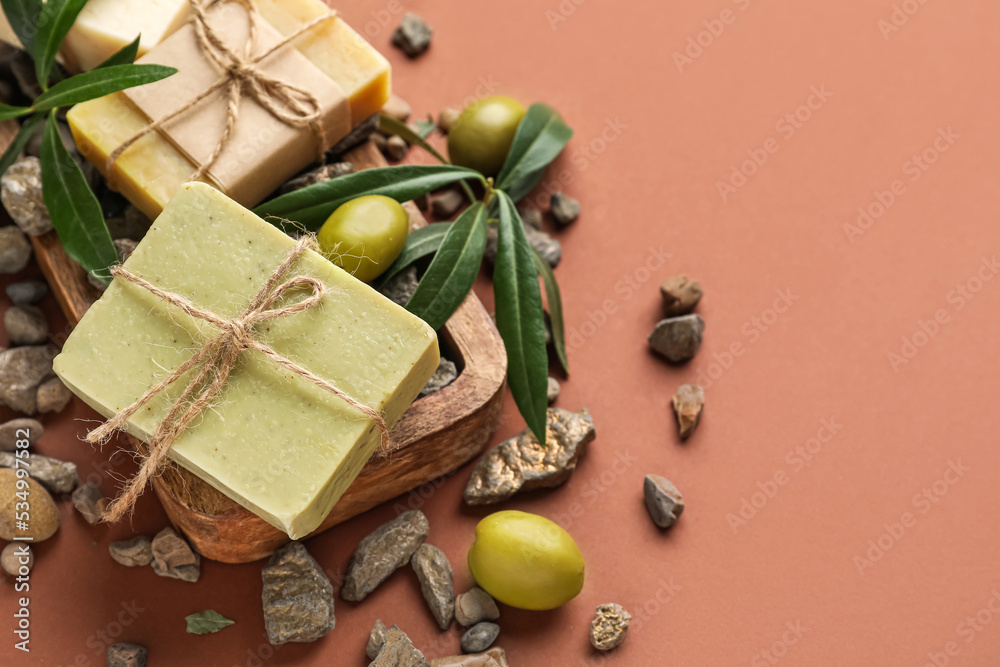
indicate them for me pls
(436, 435)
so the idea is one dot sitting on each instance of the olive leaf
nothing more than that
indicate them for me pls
(313, 204)
(98, 83)
(453, 270)
(23, 16)
(56, 19)
(124, 56)
(425, 127)
(554, 298)
(520, 318)
(206, 622)
(7, 111)
(21, 140)
(539, 139)
(420, 243)
(75, 211)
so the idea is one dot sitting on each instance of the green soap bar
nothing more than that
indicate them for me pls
(273, 442)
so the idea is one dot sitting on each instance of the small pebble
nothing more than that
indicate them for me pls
(435, 575)
(22, 428)
(447, 203)
(173, 557)
(135, 552)
(385, 550)
(401, 287)
(44, 518)
(15, 556)
(445, 374)
(22, 369)
(297, 597)
(495, 657)
(125, 248)
(564, 209)
(547, 247)
(553, 390)
(413, 36)
(688, 403)
(53, 396)
(474, 606)
(680, 295)
(380, 141)
(127, 655)
(15, 249)
(480, 637)
(447, 118)
(55, 475)
(398, 651)
(531, 217)
(663, 501)
(678, 338)
(607, 630)
(21, 193)
(132, 224)
(25, 325)
(27, 292)
(376, 640)
(396, 148)
(397, 108)
(90, 502)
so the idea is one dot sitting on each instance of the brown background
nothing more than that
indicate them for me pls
(704, 593)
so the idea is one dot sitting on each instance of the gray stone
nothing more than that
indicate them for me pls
(356, 136)
(126, 655)
(480, 637)
(688, 403)
(447, 203)
(22, 428)
(90, 502)
(522, 464)
(398, 651)
(474, 606)
(564, 209)
(52, 396)
(27, 292)
(15, 249)
(125, 248)
(380, 140)
(546, 246)
(413, 36)
(135, 552)
(663, 501)
(680, 295)
(678, 338)
(401, 286)
(531, 217)
(495, 657)
(174, 558)
(397, 108)
(34, 145)
(25, 325)
(436, 582)
(22, 369)
(388, 548)
(376, 640)
(298, 597)
(445, 374)
(553, 390)
(55, 475)
(133, 224)
(321, 175)
(396, 148)
(607, 630)
(21, 193)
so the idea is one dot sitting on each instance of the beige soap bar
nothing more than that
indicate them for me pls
(152, 169)
(275, 443)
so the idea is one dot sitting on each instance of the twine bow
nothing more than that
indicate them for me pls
(241, 75)
(215, 361)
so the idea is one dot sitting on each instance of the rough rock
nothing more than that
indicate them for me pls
(436, 582)
(396, 148)
(15, 250)
(495, 657)
(663, 501)
(607, 630)
(397, 108)
(90, 502)
(376, 640)
(9, 435)
(52, 396)
(21, 193)
(135, 552)
(680, 295)
(321, 175)
(55, 475)
(401, 286)
(531, 217)
(413, 36)
(25, 325)
(388, 548)
(27, 292)
(480, 637)
(447, 203)
(22, 369)
(174, 558)
(360, 133)
(522, 464)
(688, 403)
(678, 338)
(15, 556)
(546, 246)
(447, 118)
(132, 224)
(43, 521)
(565, 209)
(553, 390)
(298, 597)
(445, 374)
(475, 605)
(125, 248)
(398, 651)
(380, 140)
(126, 655)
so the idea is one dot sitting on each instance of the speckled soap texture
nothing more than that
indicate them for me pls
(278, 445)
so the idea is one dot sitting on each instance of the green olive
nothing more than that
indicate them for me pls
(483, 133)
(365, 235)
(526, 561)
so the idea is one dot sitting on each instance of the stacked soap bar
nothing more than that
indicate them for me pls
(153, 169)
(105, 26)
(273, 442)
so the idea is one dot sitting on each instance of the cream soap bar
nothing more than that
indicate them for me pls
(273, 442)
(150, 171)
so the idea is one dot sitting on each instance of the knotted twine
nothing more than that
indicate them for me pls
(241, 76)
(215, 361)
